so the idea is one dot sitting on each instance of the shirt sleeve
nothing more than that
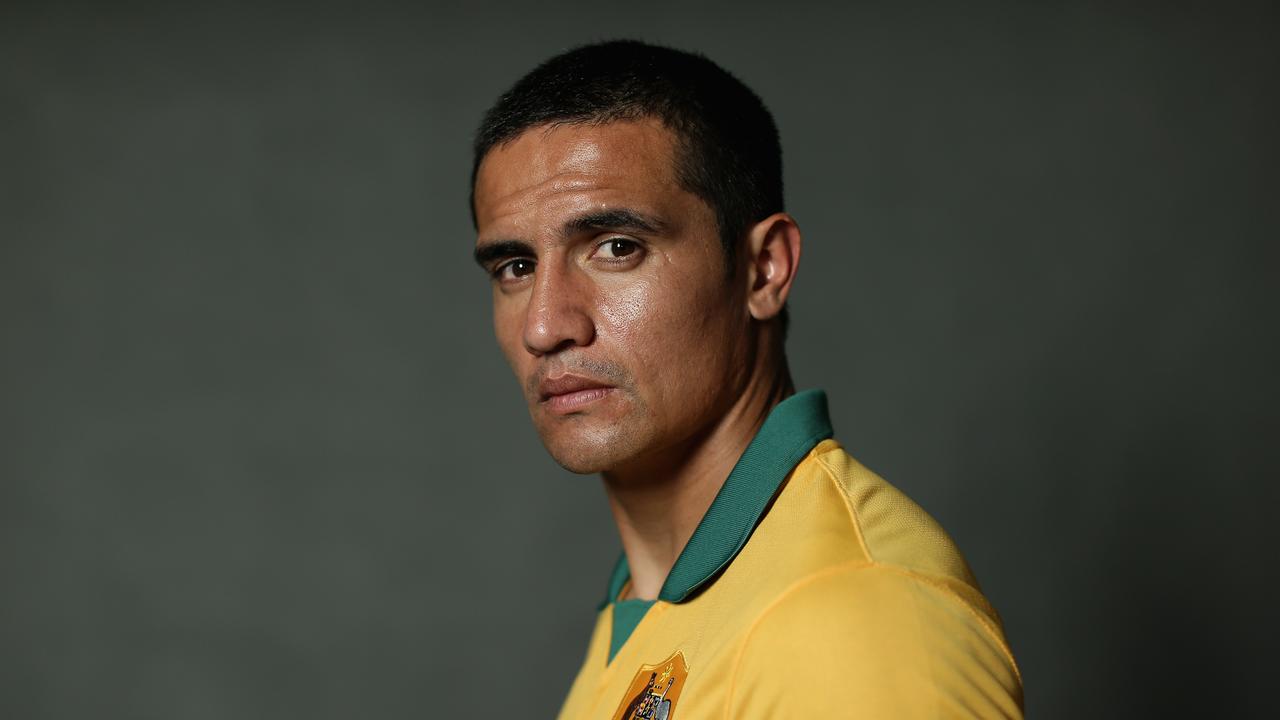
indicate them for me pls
(874, 641)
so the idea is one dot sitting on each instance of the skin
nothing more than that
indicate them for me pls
(640, 357)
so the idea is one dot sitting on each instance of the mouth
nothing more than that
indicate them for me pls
(571, 393)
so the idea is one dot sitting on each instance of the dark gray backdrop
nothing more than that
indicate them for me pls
(261, 457)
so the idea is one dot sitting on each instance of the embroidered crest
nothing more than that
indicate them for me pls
(653, 692)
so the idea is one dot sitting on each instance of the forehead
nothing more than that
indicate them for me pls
(560, 169)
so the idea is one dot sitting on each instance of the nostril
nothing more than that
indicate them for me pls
(563, 345)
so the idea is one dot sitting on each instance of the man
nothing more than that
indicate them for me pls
(628, 206)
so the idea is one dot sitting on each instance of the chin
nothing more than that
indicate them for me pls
(579, 466)
(587, 451)
(584, 458)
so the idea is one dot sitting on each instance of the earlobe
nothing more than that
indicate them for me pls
(774, 248)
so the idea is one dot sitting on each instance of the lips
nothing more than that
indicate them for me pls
(569, 393)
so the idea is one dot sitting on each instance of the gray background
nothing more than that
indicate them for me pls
(262, 459)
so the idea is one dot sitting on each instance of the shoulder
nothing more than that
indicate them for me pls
(894, 642)
(889, 530)
(835, 513)
(876, 606)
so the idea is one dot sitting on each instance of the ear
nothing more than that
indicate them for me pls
(773, 247)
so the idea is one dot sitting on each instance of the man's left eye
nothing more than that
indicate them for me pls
(618, 248)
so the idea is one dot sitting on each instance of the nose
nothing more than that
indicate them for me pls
(558, 315)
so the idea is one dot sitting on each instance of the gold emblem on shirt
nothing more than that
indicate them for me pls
(653, 692)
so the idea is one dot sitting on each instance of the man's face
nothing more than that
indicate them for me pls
(611, 299)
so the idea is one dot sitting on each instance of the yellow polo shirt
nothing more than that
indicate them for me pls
(811, 589)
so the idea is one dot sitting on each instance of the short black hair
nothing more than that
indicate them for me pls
(727, 147)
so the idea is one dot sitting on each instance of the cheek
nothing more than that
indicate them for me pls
(508, 330)
(672, 328)
(628, 310)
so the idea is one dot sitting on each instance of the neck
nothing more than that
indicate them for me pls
(658, 506)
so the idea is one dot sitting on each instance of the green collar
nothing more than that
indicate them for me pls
(792, 429)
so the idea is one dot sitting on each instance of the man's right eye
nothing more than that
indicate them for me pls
(513, 270)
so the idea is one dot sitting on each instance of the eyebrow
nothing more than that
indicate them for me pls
(615, 219)
(622, 219)
(490, 253)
